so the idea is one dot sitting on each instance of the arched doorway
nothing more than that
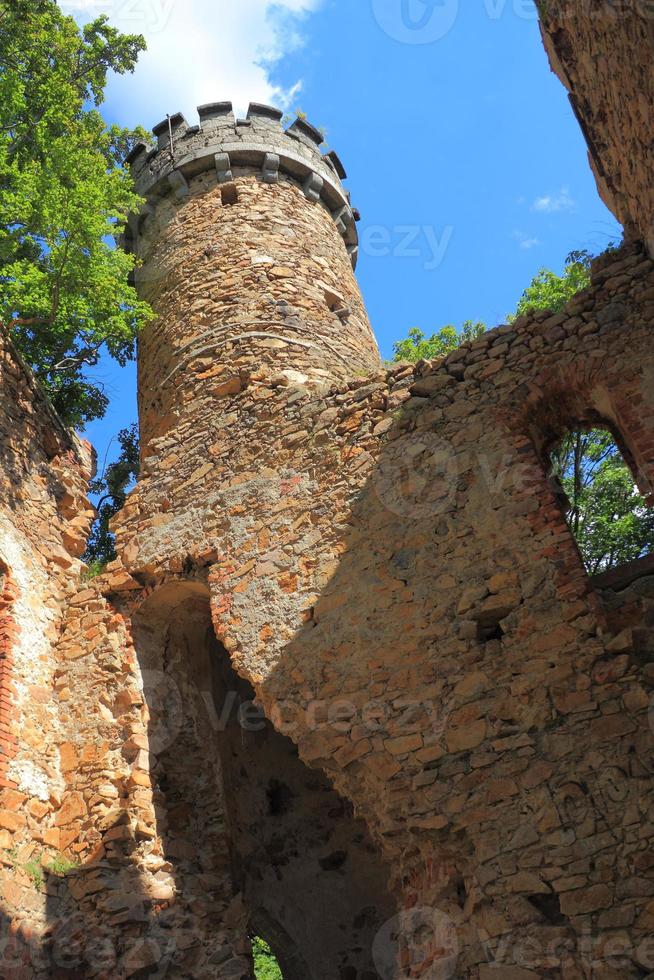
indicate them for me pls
(282, 852)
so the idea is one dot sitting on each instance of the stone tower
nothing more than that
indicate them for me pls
(248, 244)
(348, 685)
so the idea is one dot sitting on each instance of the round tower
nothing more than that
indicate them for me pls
(247, 246)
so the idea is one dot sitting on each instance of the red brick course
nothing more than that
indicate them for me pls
(8, 632)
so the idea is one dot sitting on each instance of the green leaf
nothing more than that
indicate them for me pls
(266, 966)
(417, 346)
(65, 293)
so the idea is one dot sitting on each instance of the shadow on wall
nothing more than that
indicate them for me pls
(130, 940)
(252, 841)
(254, 837)
(448, 680)
(443, 677)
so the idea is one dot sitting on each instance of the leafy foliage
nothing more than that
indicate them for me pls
(547, 291)
(64, 291)
(607, 515)
(266, 966)
(417, 346)
(112, 487)
(34, 870)
(61, 866)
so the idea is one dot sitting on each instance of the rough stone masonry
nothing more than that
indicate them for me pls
(348, 685)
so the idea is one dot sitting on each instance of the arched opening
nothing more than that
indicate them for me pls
(274, 953)
(605, 510)
(266, 964)
(251, 834)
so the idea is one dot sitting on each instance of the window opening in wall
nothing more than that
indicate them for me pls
(266, 966)
(229, 194)
(605, 510)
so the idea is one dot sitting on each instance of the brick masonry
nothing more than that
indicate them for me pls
(44, 520)
(7, 639)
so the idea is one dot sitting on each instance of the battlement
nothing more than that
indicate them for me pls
(227, 147)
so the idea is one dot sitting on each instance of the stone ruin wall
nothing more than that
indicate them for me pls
(406, 563)
(380, 556)
(44, 523)
(602, 52)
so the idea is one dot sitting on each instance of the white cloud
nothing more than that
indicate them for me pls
(552, 203)
(525, 241)
(201, 51)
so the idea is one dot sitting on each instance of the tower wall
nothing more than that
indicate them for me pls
(247, 246)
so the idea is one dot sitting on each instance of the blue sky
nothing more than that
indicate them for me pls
(462, 152)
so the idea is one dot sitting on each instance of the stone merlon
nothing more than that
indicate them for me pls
(225, 145)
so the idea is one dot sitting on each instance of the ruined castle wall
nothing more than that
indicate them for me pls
(142, 816)
(455, 711)
(392, 571)
(44, 518)
(192, 823)
(602, 52)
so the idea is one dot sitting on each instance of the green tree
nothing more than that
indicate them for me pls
(607, 514)
(266, 966)
(64, 291)
(417, 346)
(112, 488)
(547, 291)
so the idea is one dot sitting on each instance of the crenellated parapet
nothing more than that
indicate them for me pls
(246, 244)
(225, 146)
